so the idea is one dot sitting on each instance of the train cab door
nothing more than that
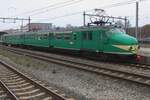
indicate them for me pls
(90, 40)
(75, 41)
(50, 38)
(100, 42)
(104, 40)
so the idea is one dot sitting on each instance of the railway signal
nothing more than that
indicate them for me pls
(16, 19)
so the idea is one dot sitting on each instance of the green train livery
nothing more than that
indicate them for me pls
(99, 40)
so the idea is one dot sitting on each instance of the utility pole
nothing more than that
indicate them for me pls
(125, 24)
(84, 18)
(4, 20)
(137, 19)
(29, 24)
(22, 26)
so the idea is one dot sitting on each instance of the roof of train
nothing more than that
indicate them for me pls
(65, 31)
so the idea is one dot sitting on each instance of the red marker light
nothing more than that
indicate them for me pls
(138, 58)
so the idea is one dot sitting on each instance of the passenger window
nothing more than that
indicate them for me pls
(58, 36)
(74, 36)
(67, 36)
(87, 36)
(39, 37)
(44, 36)
(50, 34)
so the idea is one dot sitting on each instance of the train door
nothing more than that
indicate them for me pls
(90, 41)
(22, 38)
(50, 39)
(104, 40)
(100, 43)
(71, 41)
(76, 40)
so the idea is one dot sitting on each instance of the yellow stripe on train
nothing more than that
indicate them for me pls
(132, 48)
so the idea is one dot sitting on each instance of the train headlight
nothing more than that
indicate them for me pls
(130, 48)
(138, 46)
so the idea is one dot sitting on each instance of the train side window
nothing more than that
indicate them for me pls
(42, 36)
(87, 36)
(67, 36)
(50, 34)
(84, 36)
(39, 37)
(90, 36)
(58, 36)
(75, 36)
(45, 36)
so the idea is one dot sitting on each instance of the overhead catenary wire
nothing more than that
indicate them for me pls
(109, 6)
(38, 9)
(67, 3)
(61, 16)
(54, 8)
(49, 7)
(104, 7)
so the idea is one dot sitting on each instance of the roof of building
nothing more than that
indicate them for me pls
(1, 33)
(41, 23)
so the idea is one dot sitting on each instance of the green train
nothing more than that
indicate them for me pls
(101, 40)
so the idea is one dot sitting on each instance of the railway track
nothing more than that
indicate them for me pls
(136, 65)
(18, 86)
(116, 73)
(5, 93)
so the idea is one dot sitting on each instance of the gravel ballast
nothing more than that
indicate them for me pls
(99, 64)
(83, 85)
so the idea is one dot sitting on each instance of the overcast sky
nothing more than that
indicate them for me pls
(24, 8)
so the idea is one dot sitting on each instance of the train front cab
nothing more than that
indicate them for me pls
(121, 44)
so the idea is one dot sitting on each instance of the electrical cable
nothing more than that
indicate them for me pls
(61, 6)
(53, 6)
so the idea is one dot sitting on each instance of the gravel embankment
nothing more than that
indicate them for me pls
(119, 67)
(83, 85)
(145, 52)
(145, 45)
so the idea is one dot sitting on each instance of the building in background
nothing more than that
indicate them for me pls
(143, 31)
(12, 31)
(37, 27)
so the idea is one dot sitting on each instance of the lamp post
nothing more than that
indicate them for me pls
(137, 19)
